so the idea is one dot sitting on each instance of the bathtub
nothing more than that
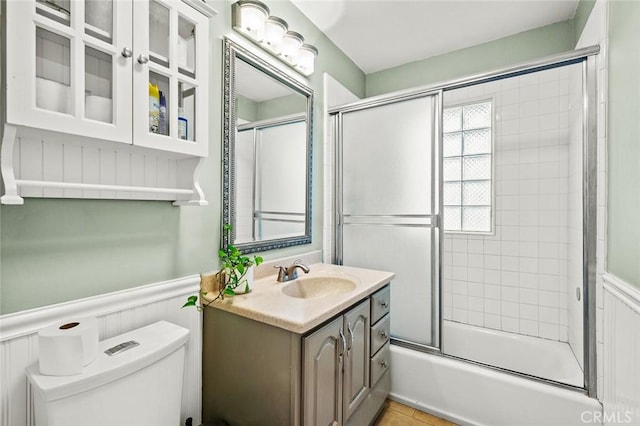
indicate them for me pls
(535, 356)
(470, 394)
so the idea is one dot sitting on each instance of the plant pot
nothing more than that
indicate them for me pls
(247, 282)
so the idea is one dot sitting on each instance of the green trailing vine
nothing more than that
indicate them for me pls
(232, 273)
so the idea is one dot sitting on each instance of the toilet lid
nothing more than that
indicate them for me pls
(155, 341)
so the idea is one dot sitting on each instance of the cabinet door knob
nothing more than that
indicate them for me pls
(383, 334)
(127, 53)
(143, 59)
(384, 364)
(384, 303)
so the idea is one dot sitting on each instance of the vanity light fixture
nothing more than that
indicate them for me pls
(251, 19)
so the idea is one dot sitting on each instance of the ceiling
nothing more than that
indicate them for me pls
(381, 34)
(257, 85)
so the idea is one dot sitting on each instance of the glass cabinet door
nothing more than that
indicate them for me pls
(82, 72)
(170, 73)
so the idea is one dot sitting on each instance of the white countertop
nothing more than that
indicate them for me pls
(268, 304)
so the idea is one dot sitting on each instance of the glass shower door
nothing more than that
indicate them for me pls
(387, 210)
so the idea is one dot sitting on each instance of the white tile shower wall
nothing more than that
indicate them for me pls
(515, 279)
(117, 313)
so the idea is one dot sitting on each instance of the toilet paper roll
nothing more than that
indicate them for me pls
(66, 347)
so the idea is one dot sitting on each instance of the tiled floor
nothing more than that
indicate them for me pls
(396, 414)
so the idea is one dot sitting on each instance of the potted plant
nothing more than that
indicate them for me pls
(235, 275)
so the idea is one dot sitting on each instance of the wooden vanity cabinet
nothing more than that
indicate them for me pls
(336, 368)
(379, 360)
(257, 374)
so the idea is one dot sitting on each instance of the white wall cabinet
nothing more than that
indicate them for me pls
(81, 121)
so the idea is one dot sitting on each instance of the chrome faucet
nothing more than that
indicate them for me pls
(290, 273)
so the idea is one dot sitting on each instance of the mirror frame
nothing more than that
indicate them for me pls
(232, 51)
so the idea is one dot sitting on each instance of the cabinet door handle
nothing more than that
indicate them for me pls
(384, 364)
(143, 59)
(350, 337)
(344, 342)
(127, 53)
(384, 303)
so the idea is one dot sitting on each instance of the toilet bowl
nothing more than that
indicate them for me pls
(138, 384)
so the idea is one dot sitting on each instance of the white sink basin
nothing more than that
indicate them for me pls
(319, 286)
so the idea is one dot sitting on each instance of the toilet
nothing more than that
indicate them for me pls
(139, 384)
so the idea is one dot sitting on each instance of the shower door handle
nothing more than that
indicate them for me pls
(435, 221)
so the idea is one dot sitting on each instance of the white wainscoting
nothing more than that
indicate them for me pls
(117, 313)
(621, 396)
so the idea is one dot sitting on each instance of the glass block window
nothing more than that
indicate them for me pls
(467, 167)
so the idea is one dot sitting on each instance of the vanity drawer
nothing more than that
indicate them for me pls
(380, 303)
(380, 363)
(380, 333)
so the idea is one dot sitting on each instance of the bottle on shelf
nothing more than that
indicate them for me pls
(183, 125)
(154, 108)
(163, 129)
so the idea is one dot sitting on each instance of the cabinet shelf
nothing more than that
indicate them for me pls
(100, 187)
(44, 164)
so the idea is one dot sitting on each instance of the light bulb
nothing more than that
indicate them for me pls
(253, 15)
(306, 58)
(274, 31)
(291, 43)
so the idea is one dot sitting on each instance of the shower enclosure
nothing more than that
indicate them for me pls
(480, 195)
(270, 199)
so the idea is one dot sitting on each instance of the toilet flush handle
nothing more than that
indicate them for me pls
(125, 346)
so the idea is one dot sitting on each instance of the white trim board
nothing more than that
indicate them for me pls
(624, 291)
(621, 352)
(30, 321)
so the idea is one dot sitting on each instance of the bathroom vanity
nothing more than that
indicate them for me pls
(312, 351)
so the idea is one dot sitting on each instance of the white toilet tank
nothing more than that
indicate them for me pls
(140, 385)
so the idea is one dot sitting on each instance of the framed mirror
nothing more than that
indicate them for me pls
(266, 193)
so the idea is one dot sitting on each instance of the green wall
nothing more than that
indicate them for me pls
(623, 140)
(580, 19)
(272, 108)
(58, 250)
(284, 105)
(246, 109)
(506, 51)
